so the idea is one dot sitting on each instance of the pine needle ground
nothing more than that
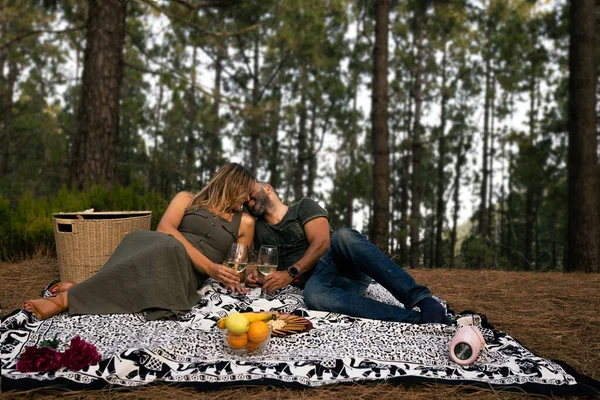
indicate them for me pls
(555, 315)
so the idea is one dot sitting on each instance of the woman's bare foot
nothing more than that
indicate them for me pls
(47, 307)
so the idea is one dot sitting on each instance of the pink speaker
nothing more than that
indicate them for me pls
(466, 345)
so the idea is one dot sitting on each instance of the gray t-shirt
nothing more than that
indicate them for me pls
(288, 235)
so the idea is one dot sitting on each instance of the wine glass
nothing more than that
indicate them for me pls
(238, 257)
(267, 263)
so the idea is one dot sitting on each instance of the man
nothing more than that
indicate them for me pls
(334, 270)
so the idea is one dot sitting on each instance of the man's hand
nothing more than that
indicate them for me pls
(277, 280)
(252, 277)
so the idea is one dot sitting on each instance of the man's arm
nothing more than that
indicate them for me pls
(317, 234)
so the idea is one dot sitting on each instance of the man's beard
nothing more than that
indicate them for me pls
(261, 205)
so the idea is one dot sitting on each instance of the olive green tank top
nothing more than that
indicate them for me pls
(210, 233)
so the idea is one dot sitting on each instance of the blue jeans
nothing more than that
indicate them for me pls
(342, 275)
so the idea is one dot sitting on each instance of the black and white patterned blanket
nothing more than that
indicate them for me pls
(339, 349)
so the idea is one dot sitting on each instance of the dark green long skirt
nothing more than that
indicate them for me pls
(149, 271)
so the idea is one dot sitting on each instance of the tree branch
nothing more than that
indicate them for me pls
(166, 68)
(325, 125)
(246, 61)
(39, 32)
(227, 72)
(141, 69)
(275, 73)
(204, 4)
(206, 31)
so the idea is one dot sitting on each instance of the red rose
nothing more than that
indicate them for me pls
(80, 354)
(39, 360)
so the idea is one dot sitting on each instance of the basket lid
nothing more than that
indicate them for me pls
(101, 214)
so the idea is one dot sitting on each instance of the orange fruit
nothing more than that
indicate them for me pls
(251, 346)
(258, 331)
(237, 341)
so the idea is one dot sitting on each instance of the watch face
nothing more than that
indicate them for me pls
(293, 271)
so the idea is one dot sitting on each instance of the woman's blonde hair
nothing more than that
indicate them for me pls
(231, 185)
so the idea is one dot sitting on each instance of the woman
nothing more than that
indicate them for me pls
(162, 271)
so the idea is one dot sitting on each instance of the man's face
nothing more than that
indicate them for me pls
(259, 202)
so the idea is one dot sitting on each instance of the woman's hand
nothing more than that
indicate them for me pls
(227, 277)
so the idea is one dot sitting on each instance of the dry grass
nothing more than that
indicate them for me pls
(555, 315)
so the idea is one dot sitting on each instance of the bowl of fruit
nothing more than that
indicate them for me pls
(246, 333)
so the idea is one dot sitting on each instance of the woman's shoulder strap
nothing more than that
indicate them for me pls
(236, 219)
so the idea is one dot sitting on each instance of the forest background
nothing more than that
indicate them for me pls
(118, 105)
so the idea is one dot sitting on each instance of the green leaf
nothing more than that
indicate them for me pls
(49, 343)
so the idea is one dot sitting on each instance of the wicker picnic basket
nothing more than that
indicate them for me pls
(85, 240)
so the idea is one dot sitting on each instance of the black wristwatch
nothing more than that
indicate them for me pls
(294, 273)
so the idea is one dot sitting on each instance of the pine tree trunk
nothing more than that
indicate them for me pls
(394, 198)
(6, 96)
(7, 103)
(554, 245)
(274, 153)
(483, 210)
(583, 225)
(404, 187)
(215, 149)
(415, 212)
(403, 225)
(4, 139)
(440, 209)
(190, 145)
(502, 251)
(349, 207)
(530, 216)
(457, 176)
(3, 54)
(302, 136)
(536, 230)
(312, 162)
(289, 175)
(93, 157)
(254, 125)
(353, 145)
(379, 115)
(492, 152)
(432, 222)
(509, 212)
(500, 239)
(529, 222)
(154, 171)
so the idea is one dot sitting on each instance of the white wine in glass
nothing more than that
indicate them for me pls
(237, 266)
(238, 257)
(267, 269)
(267, 262)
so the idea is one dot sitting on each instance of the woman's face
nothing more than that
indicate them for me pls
(246, 196)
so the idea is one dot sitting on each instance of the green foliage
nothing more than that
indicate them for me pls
(476, 252)
(26, 224)
(171, 105)
(25, 227)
